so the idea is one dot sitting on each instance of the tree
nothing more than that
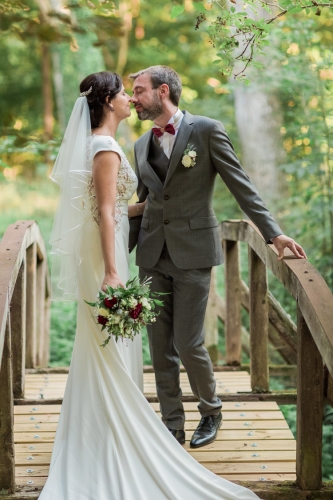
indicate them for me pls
(239, 37)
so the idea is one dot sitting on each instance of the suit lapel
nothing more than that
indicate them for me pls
(183, 136)
(143, 155)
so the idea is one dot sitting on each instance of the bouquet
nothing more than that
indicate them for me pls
(123, 312)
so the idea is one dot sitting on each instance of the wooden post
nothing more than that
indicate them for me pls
(211, 321)
(7, 459)
(233, 304)
(18, 316)
(46, 352)
(258, 323)
(310, 393)
(40, 312)
(31, 260)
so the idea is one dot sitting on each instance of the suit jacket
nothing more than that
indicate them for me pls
(179, 211)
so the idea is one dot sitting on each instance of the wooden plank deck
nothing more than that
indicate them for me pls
(254, 443)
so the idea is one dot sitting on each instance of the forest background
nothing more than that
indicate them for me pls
(278, 112)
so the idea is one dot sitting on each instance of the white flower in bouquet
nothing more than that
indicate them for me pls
(103, 312)
(144, 301)
(192, 154)
(116, 320)
(132, 302)
(119, 311)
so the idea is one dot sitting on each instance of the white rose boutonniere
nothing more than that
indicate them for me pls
(190, 156)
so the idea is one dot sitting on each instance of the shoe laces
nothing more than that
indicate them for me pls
(206, 422)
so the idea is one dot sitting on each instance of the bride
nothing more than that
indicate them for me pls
(110, 444)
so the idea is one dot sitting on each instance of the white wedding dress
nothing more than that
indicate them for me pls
(110, 444)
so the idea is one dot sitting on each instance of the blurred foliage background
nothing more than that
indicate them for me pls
(280, 123)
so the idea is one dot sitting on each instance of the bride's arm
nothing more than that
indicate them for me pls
(137, 209)
(105, 172)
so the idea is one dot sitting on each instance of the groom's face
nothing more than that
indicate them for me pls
(146, 100)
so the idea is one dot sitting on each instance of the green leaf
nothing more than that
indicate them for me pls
(158, 302)
(92, 304)
(199, 6)
(285, 3)
(176, 11)
(296, 9)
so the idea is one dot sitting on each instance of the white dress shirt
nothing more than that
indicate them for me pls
(167, 141)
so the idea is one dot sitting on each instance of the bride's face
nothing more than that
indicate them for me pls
(121, 104)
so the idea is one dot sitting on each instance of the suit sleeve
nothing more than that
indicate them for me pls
(135, 222)
(228, 167)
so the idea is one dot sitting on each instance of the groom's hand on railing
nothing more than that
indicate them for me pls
(282, 241)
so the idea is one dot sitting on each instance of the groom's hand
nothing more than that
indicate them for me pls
(282, 241)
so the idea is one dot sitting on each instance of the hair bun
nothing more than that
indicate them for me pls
(100, 86)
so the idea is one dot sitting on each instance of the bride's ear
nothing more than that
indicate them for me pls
(108, 102)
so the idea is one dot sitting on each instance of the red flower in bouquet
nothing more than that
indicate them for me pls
(134, 313)
(102, 320)
(110, 303)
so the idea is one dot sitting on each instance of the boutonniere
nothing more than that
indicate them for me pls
(190, 156)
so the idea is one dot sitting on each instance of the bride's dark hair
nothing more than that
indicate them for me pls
(104, 84)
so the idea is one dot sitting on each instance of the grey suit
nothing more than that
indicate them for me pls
(178, 243)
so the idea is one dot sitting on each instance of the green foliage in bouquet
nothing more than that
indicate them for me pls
(123, 312)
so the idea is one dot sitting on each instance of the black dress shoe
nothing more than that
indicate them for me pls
(178, 434)
(206, 431)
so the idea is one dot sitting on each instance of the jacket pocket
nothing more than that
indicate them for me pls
(203, 222)
(144, 223)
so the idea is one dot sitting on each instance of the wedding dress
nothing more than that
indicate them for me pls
(110, 444)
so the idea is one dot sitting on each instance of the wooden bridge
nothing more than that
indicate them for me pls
(255, 445)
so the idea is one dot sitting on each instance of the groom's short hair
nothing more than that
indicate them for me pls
(160, 75)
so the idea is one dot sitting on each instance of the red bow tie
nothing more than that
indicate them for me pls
(160, 131)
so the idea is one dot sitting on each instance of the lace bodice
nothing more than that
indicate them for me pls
(126, 181)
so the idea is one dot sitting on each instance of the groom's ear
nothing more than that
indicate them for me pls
(164, 90)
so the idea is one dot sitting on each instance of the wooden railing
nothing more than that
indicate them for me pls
(314, 335)
(24, 327)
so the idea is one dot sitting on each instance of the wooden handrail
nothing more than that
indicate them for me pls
(300, 278)
(314, 334)
(24, 327)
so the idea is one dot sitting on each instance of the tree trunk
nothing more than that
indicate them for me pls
(57, 77)
(44, 8)
(59, 89)
(47, 90)
(259, 118)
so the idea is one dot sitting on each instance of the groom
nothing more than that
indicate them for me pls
(178, 238)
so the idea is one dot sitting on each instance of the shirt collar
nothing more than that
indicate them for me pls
(176, 119)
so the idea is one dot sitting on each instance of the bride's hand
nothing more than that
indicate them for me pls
(112, 280)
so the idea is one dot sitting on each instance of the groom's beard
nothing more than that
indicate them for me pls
(153, 111)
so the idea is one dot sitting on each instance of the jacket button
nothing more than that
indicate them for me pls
(166, 221)
(166, 197)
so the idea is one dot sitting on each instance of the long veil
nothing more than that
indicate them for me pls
(71, 171)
